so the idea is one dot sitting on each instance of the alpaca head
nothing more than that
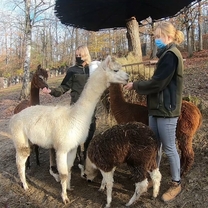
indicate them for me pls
(114, 72)
(39, 78)
(91, 170)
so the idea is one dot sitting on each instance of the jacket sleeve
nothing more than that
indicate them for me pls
(161, 78)
(66, 85)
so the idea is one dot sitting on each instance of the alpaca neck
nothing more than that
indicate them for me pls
(91, 94)
(116, 94)
(34, 96)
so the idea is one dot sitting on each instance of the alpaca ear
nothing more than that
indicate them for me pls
(106, 62)
(39, 67)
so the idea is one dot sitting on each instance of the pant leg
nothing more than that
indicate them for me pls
(167, 135)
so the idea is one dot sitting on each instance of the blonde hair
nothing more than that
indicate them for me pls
(84, 53)
(167, 29)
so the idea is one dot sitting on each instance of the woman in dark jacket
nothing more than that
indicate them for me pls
(75, 80)
(164, 98)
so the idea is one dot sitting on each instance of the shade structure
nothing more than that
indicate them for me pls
(94, 15)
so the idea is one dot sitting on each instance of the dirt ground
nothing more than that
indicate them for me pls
(44, 191)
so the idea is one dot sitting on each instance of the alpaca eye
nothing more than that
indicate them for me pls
(115, 70)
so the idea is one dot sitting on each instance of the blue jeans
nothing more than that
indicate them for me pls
(165, 130)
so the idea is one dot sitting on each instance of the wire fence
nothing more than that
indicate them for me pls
(142, 70)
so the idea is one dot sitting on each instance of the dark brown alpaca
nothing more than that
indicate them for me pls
(38, 82)
(188, 122)
(132, 143)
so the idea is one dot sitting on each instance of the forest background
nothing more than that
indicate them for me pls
(31, 34)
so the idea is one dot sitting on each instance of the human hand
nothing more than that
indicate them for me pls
(46, 90)
(128, 86)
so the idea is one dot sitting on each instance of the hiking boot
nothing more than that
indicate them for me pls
(172, 192)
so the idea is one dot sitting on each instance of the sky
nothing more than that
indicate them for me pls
(8, 5)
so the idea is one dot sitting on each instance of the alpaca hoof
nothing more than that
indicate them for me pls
(71, 188)
(153, 198)
(25, 186)
(107, 205)
(128, 204)
(66, 200)
(101, 189)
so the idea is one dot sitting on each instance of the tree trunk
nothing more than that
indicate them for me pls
(200, 21)
(134, 43)
(190, 51)
(153, 46)
(193, 39)
(28, 32)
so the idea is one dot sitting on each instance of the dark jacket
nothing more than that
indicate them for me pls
(164, 89)
(75, 80)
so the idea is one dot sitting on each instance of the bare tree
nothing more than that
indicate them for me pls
(133, 38)
(33, 9)
(200, 27)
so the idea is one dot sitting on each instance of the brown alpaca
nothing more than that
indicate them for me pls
(38, 82)
(127, 109)
(188, 122)
(134, 144)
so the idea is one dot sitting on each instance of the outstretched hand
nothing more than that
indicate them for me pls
(128, 86)
(46, 90)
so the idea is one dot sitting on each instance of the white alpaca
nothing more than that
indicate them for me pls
(62, 127)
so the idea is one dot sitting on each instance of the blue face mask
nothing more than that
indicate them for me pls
(159, 43)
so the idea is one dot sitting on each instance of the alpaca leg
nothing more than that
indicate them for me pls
(63, 172)
(28, 163)
(140, 188)
(80, 155)
(108, 178)
(187, 161)
(90, 135)
(37, 154)
(53, 168)
(156, 179)
(182, 160)
(187, 153)
(70, 161)
(103, 185)
(28, 166)
(159, 156)
(21, 157)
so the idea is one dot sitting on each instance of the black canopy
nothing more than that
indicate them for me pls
(101, 14)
